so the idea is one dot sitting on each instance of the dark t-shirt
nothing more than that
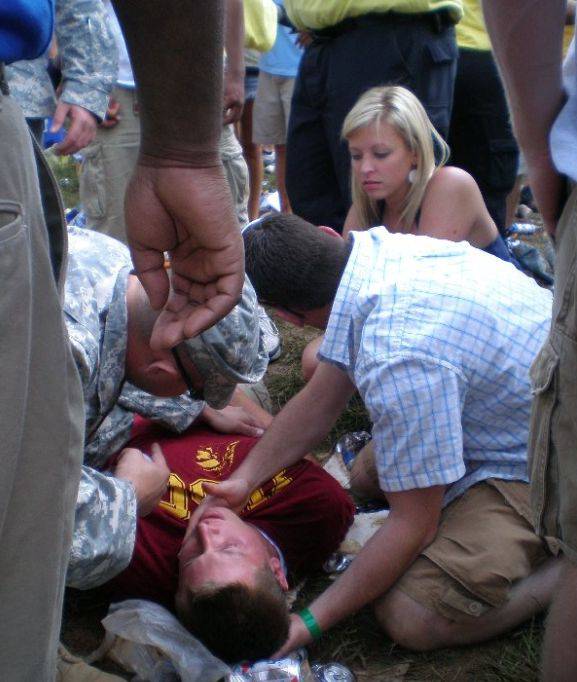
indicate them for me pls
(302, 509)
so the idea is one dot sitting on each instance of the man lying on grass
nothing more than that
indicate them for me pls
(228, 578)
(438, 338)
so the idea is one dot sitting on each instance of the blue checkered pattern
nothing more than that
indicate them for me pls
(438, 337)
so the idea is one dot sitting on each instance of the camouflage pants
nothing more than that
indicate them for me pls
(236, 172)
(41, 410)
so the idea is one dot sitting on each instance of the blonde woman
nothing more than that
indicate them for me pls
(399, 178)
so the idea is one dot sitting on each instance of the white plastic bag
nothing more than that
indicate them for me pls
(146, 639)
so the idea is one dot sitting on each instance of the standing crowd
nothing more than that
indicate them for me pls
(140, 453)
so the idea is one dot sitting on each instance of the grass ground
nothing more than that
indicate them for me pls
(357, 642)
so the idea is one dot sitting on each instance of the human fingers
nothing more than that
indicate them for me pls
(232, 113)
(172, 327)
(60, 114)
(196, 515)
(112, 116)
(248, 428)
(81, 132)
(231, 494)
(157, 456)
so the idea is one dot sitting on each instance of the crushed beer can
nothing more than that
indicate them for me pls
(337, 563)
(350, 444)
(523, 229)
(332, 672)
(292, 668)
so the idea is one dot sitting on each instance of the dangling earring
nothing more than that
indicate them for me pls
(412, 176)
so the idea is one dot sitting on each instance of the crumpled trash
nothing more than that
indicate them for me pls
(538, 262)
(524, 229)
(337, 563)
(292, 668)
(532, 261)
(146, 639)
(350, 444)
(332, 672)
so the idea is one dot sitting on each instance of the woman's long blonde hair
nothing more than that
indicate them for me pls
(401, 109)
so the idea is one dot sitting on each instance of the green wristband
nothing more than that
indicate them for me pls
(311, 623)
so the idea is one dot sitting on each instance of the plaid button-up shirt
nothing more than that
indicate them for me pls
(438, 337)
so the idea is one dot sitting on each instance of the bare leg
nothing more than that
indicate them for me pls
(560, 650)
(309, 361)
(513, 200)
(280, 166)
(364, 479)
(253, 157)
(415, 627)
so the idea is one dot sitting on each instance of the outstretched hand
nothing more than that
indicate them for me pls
(233, 494)
(188, 213)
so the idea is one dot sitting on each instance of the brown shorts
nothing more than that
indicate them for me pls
(553, 442)
(485, 543)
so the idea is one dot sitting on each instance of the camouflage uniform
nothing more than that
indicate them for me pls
(96, 315)
(89, 63)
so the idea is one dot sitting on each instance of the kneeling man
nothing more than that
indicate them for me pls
(438, 338)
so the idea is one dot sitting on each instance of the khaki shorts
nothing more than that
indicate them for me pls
(484, 545)
(553, 441)
(272, 109)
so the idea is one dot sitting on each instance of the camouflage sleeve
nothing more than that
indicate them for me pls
(89, 54)
(177, 414)
(31, 87)
(104, 530)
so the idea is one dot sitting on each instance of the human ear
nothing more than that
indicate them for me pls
(164, 366)
(329, 230)
(276, 568)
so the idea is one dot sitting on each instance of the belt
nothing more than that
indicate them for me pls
(437, 21)
(3, 82)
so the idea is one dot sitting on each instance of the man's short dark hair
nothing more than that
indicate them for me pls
(237, 622)
(292, 263)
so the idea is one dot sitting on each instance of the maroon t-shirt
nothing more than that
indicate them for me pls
(302, 509)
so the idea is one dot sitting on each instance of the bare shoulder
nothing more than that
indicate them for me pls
(453, 208)
(451, 179)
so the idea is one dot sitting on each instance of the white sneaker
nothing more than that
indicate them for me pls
(270, 335)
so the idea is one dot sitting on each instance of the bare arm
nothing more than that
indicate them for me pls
(409, 528)
(178, 199)
(453, 208)
(298, 427)
(527, 39)
(234, 69)
(351, 222)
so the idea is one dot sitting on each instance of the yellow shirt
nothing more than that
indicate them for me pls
(568, 33)
(471, 31)
(318, 14)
